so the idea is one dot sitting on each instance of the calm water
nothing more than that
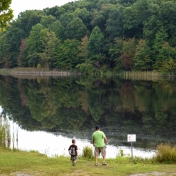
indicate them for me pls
(45, 114)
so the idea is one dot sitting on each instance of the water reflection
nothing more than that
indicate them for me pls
(71, 107)
(57, 145)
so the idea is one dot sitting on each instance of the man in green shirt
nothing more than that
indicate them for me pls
(99, 139)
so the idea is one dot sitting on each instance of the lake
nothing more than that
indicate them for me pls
(46, 113)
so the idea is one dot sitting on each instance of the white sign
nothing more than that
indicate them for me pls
(131, 138)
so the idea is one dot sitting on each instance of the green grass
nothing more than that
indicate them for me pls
(37, 164)
(87, 152)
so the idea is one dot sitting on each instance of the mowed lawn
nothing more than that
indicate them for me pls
(16, 163)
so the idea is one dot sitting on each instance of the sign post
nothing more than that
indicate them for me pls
(131, 138)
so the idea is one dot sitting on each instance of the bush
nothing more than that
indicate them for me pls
(166, 153)
(174, 153)
(87, 152)
(38, 66)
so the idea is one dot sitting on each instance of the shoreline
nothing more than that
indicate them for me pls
(45, 73)
(37, 73)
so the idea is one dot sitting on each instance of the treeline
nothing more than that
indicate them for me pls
(90, 35)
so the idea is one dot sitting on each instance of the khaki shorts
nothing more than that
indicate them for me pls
(99, 150)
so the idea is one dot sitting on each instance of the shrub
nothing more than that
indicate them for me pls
(38, 66)
(166, 153)
(174, 153)
(87, 152)
(4, 133)
(121, 152)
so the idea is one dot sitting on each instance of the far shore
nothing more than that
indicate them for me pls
(33, 72)
(44, 73)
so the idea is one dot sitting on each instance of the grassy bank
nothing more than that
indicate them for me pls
(37, 72)
(32, 72)
(18, 162)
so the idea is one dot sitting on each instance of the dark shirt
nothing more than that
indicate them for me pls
(73, 148)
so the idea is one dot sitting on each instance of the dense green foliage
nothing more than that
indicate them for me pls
(94, 35)
(6, 14)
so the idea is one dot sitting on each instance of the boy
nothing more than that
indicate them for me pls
(73, 151)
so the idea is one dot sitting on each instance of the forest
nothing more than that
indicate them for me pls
(93, 35)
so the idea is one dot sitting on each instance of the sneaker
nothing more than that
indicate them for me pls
(96, 164)
(104, 164)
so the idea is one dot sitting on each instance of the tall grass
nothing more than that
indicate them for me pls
(32, 71)
(5, 71)
(4, 132)
(87, 152)
(143, 75)
(166, 153)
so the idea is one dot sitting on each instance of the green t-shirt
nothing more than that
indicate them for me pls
(98, 138)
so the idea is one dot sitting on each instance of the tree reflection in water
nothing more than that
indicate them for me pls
(73, 106)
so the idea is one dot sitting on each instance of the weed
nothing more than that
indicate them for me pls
(87, 152)
(4, 132)
(166, 153)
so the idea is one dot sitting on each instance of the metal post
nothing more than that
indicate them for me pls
(131, 152)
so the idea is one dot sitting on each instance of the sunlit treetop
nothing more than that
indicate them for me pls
(6, 14)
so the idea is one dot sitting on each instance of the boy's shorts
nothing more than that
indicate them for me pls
(99, 150)
(73, 157)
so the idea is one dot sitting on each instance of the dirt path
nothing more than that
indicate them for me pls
(82, 173)
(154, 174)
(20, 174)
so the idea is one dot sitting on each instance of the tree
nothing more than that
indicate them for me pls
(168, 66)
(66, 18)
(2, 38)
(142, 57)
(127, 56)
(22, 57)
(160, 39)
(115, 50)
(6, 14)
(95, 44)
(57, 28)
(84, 15)
(84, 66)
(60, 10)
(19, 29)
(151, 28)
(27, 19)
(136, 16)
(114, 25)
(12, 41)
(167, 16)
(46, 21)
(98, 20)
(83, 49)
(67, 54)
(76, 29)
(48, 53)
(34, 44)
